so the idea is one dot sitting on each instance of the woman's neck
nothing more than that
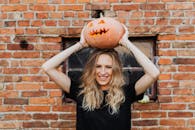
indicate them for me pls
(104, 88)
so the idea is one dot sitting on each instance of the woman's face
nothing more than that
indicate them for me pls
(103, 70)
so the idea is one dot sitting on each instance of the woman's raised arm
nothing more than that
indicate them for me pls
(50, 66)
(151, 71)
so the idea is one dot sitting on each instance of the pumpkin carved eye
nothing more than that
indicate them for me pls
(101, 22)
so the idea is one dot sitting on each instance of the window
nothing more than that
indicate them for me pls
(132, 70)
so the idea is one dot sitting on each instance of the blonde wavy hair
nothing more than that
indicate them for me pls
(92, 94)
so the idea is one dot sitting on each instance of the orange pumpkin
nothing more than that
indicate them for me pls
(103, 32)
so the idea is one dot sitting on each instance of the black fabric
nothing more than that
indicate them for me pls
(101, 119)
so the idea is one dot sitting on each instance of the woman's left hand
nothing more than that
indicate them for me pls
(124, 39)
(82, 41)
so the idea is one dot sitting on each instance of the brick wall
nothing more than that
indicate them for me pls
(29, 100)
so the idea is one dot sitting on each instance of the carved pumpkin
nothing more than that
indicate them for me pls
(103, 33)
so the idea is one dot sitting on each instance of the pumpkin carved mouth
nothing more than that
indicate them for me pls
(99, 32)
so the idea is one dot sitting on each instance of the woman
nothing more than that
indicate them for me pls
(103, 98)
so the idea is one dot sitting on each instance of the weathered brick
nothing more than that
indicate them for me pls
(173, 122)
(173, 106)
(41, 100)
(37, 108)
(42, 7)
(97, 6)
(35, 124)
(15, 71)
(10, 8)
(45, 116)
(153, 7)
(17, 117)
(18, 47)
(184, 60)
(16, 101)
(184, 76)
(9, 94)
(126, 7)
(26, 54)
(34, 94)
(145, 123)
(63, 124)
(70, 7)
(65, 108)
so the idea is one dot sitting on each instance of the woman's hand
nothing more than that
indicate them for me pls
(124, 40)
(82, 39)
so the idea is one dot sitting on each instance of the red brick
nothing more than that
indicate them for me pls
(153, 6)
(53, 31)
(11, 108)
(35, 78)
(27, 38)
(9, 94)
(186, 68)
(184, 60)
(28, 15)
(45, 116)
(4, 39)
(126, 7)
(37, 23)
(56, 93)
(54, 15)
(192, 106)
(186, 37)
(32, 63)
(70, 116)
(10, 125)
(184, 98)
(32, 31)
(5, 55)
(10, 23)
(165, 77)
(65, 108)
(10, 8)
(180, 114)
(186, 53)
(145, 123)
(183, 91)
(37, 108)
(167, 53)
(169, 84)
(27, 86)
(4, 63)
(42, 15)
(184, 76)
(26, 54)
(42, 7)
(17, 117)
(164, 99)
(49, 54)
(153, 114)
(34, 94)
(164, 91)
(50, 23)
(166, 37)
(173, 106)
(53, 40)
(35, 124)
(165, 61)
(23, 23)
(97, 6)
(168, 68)
(41, 100)
(147, 106)
(50, 86)
(183, 44)
(18, 47)
(70, 7)
(186, 29)
(178, 6)
(7, 31)
(15, 71)
(16, 101)
(63, 124)
(173, 122)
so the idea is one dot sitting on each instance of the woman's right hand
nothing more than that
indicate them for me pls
(82, 41)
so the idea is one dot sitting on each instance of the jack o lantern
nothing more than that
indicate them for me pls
(103, 32)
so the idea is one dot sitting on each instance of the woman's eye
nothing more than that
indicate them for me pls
(109, 67)
(98, 66)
